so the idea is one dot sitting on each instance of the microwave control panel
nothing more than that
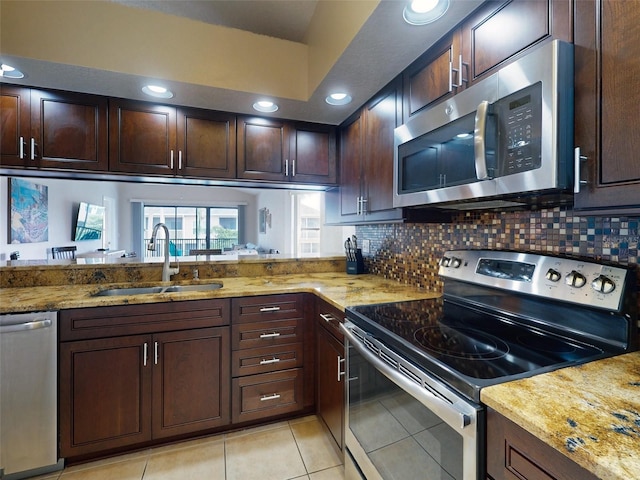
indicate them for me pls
(520, 120)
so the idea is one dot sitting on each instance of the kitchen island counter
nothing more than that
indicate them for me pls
(590, 413)
(337, 288)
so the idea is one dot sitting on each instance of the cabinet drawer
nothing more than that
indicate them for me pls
(266, 359)
(268, 307)
(101, 322)
(266, 395)
(264, 334)
(330, 318)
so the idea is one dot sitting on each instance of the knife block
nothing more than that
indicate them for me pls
(355, 267)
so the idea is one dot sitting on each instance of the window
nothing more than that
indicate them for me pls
(307, 217)
(192, 228)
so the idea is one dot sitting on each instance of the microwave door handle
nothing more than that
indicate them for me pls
(479, 141)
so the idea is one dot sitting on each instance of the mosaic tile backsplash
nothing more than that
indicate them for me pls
(409, 253)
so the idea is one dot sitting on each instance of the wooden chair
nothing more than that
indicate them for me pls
(206, 251)
(63, 252)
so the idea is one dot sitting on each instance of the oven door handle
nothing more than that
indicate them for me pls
(452, 413)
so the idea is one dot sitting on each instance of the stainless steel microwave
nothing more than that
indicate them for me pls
(506, 141)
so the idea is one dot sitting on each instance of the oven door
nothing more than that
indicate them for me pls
(401, 423)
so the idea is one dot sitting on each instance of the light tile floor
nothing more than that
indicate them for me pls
(300, 449)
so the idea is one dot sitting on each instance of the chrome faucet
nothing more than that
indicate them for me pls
(167, 271)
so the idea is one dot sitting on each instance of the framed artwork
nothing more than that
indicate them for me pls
(264, 219)
(29, 212)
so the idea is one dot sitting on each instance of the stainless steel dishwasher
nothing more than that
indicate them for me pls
(28, 395)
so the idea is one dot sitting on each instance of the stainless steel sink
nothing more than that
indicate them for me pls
(193, 288)
(151, 290)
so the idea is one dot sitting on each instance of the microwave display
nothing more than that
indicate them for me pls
(521, 130)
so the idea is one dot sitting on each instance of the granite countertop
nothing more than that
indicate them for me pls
(590, 413)
(337, 288)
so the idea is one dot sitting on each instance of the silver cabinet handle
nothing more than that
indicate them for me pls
(268, 362)
(33, 148)
(179, 159)
(270, 309)
(21, 327)
(326, 317)
(155, 353)
(363, 208)
(293, 167)
(144, 354)
(21, 148)
(458, 71)
(171, 161)
(479, 140)
(273, 396)
(341, 372)
(577, 162)
(270, 335)
(286, 167)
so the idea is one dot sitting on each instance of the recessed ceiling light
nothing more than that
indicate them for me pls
(7, 71)
(338, 99)
(265, 106)
(157, 91)
(421, 12)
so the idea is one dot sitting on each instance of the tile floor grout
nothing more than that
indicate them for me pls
(319, 458)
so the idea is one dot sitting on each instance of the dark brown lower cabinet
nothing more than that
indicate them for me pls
(330, 388)
(151, 378)
(515, 454)
(105, 394)
(190, 381)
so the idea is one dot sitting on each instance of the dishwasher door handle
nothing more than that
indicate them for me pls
(21, 327)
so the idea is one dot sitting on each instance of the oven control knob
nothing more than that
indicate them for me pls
(444, 262)
(576, 279)
(603, 284)
(455, 262)
(553, 275)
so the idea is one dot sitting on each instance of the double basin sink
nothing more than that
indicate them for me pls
(203, 287)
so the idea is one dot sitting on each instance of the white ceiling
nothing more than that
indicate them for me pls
(383, 47)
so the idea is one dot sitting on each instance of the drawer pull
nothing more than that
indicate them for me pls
(267, 362)
(274, 396)
(270, 335)
(326, 317)
(270, 309)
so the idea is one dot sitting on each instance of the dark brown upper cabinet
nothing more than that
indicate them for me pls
(366, 161)
(51, 129)
(282, 151)
(606, 106)
(436, 75)
(160, 140)
(500, 31)
(493, 35)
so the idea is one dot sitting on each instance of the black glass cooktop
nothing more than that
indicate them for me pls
(464, 344)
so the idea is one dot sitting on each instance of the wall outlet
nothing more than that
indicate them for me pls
(366, 246)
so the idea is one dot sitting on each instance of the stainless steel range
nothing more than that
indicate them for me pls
(416, 368)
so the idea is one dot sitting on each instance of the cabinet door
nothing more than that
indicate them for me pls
(606, 105)
(105, 394)
(515, 454)
(500, 30)
(142, 138)
(313, 154)
(351, 135)
(15, 126)
(69, 130)
(382, 116)
(263, 149)
(191, 381)
(330, 383)
(206, 144)
(434, 76)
